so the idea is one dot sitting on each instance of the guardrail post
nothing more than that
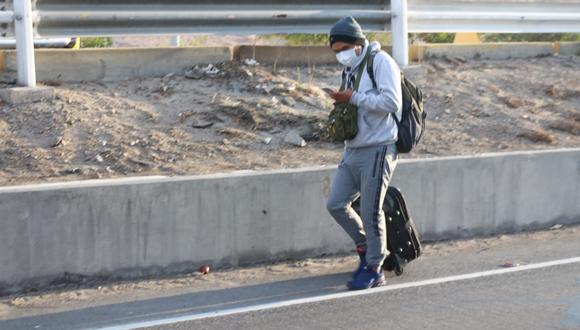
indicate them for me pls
(176, 41)
(400, 32)
(24, 43)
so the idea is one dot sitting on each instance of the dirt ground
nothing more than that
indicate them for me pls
(82, 294)
(237, 117)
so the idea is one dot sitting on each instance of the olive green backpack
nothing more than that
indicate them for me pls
(342, 121)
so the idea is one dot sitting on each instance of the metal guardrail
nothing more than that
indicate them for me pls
(65, 18)
(6, 43)
(493, 16)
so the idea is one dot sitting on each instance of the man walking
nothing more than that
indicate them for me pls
(370, 158)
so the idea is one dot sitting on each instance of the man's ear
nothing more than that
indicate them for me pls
(358, 50)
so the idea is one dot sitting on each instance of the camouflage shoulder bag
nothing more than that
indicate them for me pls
(342, 121)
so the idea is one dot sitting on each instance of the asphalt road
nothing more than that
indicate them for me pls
(430, 295)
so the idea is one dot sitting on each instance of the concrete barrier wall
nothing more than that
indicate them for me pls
(290, 55)
(568, 48)
(65, 65)
(493, 51)
(110, 64)
(133, 227)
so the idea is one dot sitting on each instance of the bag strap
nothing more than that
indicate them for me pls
(371, 73)
(361, 67)
(371, 67)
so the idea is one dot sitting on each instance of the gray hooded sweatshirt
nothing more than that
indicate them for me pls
(376, 106)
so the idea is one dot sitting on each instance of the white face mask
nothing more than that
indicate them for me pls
(347, 57)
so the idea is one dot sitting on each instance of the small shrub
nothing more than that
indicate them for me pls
(98, 42)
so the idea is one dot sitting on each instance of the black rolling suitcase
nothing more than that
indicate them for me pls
(403, 240)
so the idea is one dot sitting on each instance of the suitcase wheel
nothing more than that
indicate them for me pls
(398, 270)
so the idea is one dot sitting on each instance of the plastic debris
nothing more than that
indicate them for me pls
(251, 62)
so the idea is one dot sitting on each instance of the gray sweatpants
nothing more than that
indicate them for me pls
(364, 172)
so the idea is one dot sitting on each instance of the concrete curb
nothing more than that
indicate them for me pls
(136, 227)
(21, 95)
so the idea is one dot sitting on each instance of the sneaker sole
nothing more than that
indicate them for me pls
(382, 282)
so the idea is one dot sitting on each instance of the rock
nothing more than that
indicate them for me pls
(194, 73)
(290, 88)
(555, 227)
(74, 170)
(184, 115)
(267, 140)
(438, 66)
(202, 124)
(293, 138)
(447, 111)
(306, 131)
(455, 60)
(509, 264)
(58, 141)
(210, 70)
(205, 269)
(513, 101)
(99, 158)
(266, 88)
(248, 73)
(289, 101)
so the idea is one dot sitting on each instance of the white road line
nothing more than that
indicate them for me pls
(340, 295)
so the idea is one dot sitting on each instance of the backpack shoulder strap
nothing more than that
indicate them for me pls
(371, 73)
(371, 67)
(361, 70)
(343, 80)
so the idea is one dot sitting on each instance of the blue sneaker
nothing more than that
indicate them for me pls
(362, 253)
(366, 279)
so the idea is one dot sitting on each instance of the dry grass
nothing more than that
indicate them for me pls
(238, 133)
(537, 136)
(562, 93)
(575, 116)
(568, 126)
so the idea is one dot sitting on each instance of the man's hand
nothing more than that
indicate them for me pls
(342, 97)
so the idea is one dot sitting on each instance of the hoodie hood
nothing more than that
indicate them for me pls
(375, 45)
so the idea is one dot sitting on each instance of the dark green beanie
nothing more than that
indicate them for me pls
(348, 30)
